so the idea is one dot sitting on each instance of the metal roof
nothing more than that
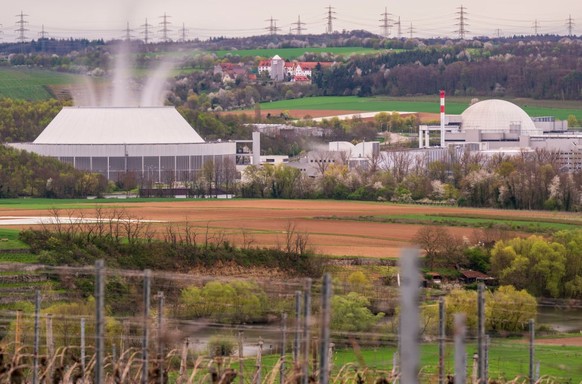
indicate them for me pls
(92, 125)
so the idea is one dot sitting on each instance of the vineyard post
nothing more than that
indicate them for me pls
(306, 321)
(160, 340)
(442, 336)
(283, 347)
(409, 329)
(146, 318)
(532, 375)
(481, 332)
(460, 352)
(325, 323)
(83, 346)
(183, 360)
(36, 336)
(486, 371)
(297, 341)
(99, 321)
(259, 362)
(240, 357)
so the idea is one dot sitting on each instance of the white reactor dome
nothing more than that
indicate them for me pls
(497, 115)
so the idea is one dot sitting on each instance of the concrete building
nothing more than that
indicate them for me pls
(498, 126)
(154, 143)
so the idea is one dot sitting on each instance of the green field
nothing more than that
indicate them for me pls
(9, 239)
(28, 84)
(539, 225)
(507, 359)
(422, 104)
(294, 53)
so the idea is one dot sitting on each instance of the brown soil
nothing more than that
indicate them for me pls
(264, 222)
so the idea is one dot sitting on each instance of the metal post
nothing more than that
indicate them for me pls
(50, 342)
(306, 323)
(481, 332)
(442, 338)
(183, 361)
(146, 316)
(259, 363)
(460, 352)
(486, 371)
(36, 336)
(532, 376)
(99, 321)
(240, 357)
(283, 347)
(410, 328)
(83, 346)
(160, 342)
(325, 323)
(297, 341)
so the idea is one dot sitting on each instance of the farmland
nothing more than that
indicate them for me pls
(31, 84)
(422, 104)
(335, 228)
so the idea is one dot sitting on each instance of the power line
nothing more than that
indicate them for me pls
(330, 18)
(183, 33)
(570, 25)
(462, 22)
(536, 27)
(146, 31)
(21, 29)
(298, 24)
(165, 30)
(411, 30)
(399, 27)
(386, 22)
(272, 28)
(43, 34)
(128, 31)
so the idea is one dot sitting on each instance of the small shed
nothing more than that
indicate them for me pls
(469, 276)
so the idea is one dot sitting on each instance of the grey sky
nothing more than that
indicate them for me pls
(107, 18)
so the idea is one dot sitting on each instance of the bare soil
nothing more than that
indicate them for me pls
(264, 222)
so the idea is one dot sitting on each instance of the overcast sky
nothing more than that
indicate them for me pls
(206, 18)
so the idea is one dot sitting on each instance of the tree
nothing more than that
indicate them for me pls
(350, 313)
(236, 302)
(509, 309)
(534, 264)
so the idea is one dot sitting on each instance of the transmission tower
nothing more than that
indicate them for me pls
(330, 18)
(386, 20)
(165, 30)
(298, 25)
(128, 36)
(536, 27)
(411, 30)
(498, 32)
(462, 22)
(146, 31)
(272, 28)
(183, 33)
(43, 34)
(570, 25)
(21, 27)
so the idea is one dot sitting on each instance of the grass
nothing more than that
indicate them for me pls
(294, 53)
(507, 359)
(42, 203)
(9, 240)
(25, 258)
(427, 104)
(31, 84)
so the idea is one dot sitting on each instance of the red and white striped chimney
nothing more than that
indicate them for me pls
(442, 118)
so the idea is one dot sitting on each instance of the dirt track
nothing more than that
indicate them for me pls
(264, 221)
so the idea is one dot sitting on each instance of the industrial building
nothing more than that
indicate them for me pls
(155, 144)
(498, 126)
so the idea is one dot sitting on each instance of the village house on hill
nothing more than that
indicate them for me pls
(295, 71)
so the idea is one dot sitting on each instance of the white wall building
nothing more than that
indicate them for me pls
(154, 143)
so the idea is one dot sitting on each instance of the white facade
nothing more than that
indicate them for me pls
(156, 144)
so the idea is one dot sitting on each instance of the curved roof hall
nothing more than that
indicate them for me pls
(110, 125)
